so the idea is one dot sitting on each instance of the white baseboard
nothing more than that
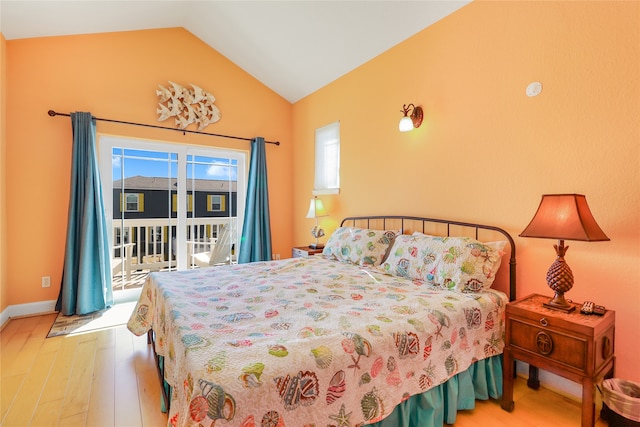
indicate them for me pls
(553, 382)
(45, 307)
(29, 309)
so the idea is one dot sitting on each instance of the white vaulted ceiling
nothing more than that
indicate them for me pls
(293, 47)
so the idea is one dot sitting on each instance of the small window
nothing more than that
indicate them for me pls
(132, 202)
(215, 203)
(174, 202)
(327, 160)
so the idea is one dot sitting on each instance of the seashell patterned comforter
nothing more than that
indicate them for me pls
(308, 341)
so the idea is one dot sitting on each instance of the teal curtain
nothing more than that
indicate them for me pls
(86, 276)
(256, 232)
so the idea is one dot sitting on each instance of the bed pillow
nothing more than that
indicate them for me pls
(462, 264)
(360, 246)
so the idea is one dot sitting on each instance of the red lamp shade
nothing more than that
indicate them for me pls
(563, 217)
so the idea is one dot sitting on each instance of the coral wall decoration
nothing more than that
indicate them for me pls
(187, 106)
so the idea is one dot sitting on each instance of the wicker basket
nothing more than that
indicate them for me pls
(621, 402)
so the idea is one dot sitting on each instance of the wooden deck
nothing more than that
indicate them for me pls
(136, 280)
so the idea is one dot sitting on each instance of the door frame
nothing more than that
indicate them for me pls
(106, 143)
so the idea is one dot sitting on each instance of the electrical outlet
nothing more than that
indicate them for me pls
(276, 257)
(46, 281)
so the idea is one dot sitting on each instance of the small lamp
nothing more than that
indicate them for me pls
(316, 210)
(413, 121)
(563, 217)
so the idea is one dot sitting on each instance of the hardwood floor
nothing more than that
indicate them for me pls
(103, 378)
(108, 378)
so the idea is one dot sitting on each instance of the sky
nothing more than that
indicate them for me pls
(158, 164)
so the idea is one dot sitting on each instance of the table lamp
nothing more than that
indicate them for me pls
(563, 217)
(316, 210)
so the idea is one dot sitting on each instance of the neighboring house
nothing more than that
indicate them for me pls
(140, 197)
(148, 198)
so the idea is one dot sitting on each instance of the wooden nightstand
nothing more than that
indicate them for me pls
(573, 345)
(304, 251)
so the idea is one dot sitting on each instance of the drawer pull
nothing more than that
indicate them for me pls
(544, 322)
(544, 343)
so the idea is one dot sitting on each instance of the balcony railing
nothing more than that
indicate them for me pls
(149, 244)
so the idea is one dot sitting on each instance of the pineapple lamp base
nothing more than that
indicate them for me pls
(560, 280)
(558, 302)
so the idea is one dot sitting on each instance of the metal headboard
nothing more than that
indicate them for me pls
(365, 222)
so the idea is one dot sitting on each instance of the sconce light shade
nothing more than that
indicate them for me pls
(413, 121)
(406, 124)
(563, 217)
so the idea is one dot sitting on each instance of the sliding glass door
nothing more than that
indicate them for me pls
(170, 207)
(212, 209)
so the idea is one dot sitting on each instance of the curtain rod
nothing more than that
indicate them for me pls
(53, 113)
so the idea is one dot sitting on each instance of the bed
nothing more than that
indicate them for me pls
(400, 322)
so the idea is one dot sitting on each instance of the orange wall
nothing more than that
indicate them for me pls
(114, 76)
(486, 152)
(3, 216)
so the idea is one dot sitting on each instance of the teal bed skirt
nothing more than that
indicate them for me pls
(439, 405)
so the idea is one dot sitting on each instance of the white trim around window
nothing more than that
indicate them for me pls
(327, 160)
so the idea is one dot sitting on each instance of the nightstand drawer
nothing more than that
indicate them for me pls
(298, 253)
(563, 348)
(577, 343)
(304, 251)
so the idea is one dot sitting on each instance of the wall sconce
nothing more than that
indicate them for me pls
(413, 121)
